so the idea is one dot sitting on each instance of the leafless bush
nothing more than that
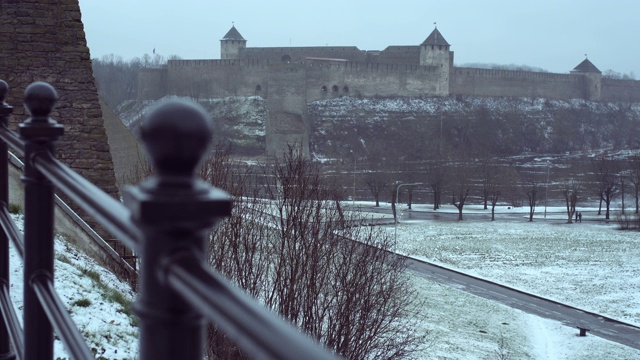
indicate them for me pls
(627, 221)
(295, 254)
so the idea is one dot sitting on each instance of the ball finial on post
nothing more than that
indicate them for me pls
(39, 99)
(176, 134)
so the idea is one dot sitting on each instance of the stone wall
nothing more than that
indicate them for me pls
(620, 90)
(299, 54)
(45, 41)
(495, 83)
(400, 55)
(289, 87)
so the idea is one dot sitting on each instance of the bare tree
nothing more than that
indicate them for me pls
(377, 183)
(570, 194)
(634, 177)
(459, 175)
(605, 171)
(502, 179)
(488, 176)
(435, 179)
(531, 191)
(394, 191)
(294, 255)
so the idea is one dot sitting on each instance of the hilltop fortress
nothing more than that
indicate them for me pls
(289, 78)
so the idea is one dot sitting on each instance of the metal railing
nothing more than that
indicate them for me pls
(164, 220)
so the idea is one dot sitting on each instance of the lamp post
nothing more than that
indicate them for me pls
(546, 194)
(395, 232)
(355, 162)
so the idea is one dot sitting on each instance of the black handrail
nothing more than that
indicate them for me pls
(165, 220)
(59, 317)
(13, 323)
(109, 212)
(12, 139)
(260, 333)
(11, 230)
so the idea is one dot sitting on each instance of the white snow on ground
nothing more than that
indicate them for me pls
(590, 265)
(89, 291)
(587, 265)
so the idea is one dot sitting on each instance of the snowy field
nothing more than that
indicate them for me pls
(94, 298)
(590, 265)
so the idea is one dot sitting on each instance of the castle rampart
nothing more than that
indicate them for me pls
(493, 82)
(291, 77)
(620, 90)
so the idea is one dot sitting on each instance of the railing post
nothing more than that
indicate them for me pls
(175, 210)
(39, 132)
(5, 112)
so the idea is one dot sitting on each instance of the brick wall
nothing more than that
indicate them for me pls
(45, 41)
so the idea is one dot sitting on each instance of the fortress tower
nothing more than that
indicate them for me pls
(592, 78)
(434, 51)
(231, 44)
(289, 78)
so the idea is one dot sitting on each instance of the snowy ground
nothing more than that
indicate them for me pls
(589, 265)
(95, 298)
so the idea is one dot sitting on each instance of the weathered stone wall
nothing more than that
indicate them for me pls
(299, 54)
(217, 78)
(287, 106)
(45, 41)
(288, 87)
(400, 55)
(342, 78)
(620, 90)
(492, 83)
(152, 83)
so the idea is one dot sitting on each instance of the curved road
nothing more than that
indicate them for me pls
(598, 325)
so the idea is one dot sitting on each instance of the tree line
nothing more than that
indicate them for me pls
(586, 182)
(291, 245)
(117, 78)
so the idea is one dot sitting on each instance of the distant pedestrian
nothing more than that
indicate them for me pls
(577, 216)
(580, 216)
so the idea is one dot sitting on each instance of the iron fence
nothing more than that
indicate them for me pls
(164, 220)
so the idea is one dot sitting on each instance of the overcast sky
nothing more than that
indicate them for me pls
(551, 34)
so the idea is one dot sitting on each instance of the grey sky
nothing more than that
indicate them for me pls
(551, 34)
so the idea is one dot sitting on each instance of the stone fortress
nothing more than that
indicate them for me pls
(289, 78)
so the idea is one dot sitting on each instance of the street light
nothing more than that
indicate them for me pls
(395, 233)
(355, 162)
(546, 195)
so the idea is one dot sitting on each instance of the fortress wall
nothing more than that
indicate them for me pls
(490, 82)
(299, 54)
(217, 78)
(620, 90)
(287, 106)
(400, 55)
(373, 79)
(152, 83)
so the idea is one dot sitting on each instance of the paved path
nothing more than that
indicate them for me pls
(598, 325)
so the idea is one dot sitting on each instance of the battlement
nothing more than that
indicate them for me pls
(480, 72)
(341, 64)
(206, 63)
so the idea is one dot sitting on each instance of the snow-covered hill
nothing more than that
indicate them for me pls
(419, 128)
(238, 121)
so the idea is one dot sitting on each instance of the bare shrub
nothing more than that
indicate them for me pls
(295, 254)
